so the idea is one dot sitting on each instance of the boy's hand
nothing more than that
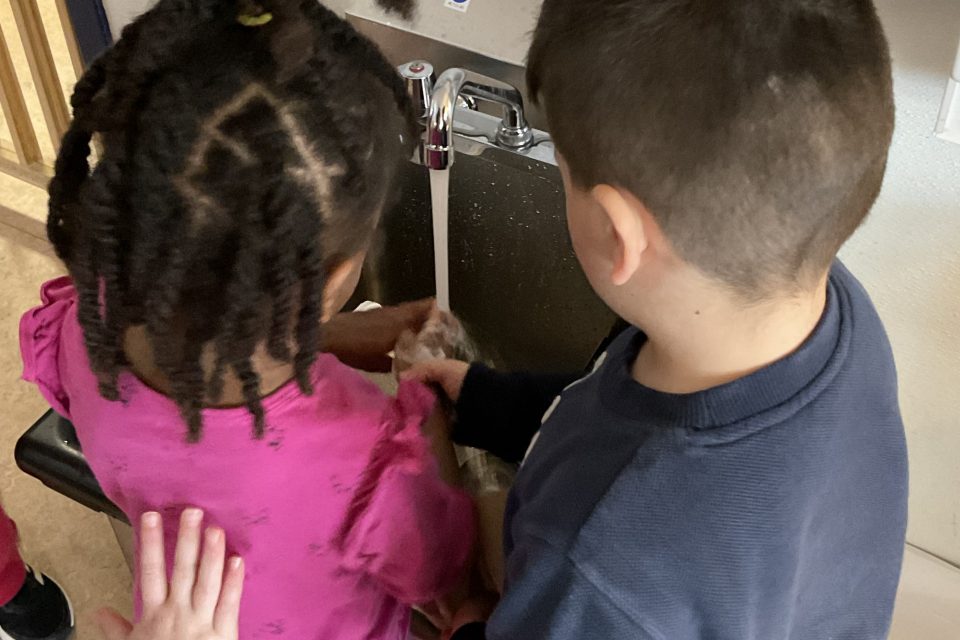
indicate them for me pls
(201, 603)
(447, 374)
(362, 340)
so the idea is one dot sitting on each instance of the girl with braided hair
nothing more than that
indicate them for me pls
(246, 152)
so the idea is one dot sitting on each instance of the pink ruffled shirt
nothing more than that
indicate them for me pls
(339, 512)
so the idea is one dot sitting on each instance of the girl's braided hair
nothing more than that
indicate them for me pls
(240, 161)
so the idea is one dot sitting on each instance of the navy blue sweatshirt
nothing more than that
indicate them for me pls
(772, 507)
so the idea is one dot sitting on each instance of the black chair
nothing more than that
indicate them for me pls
(50, 452)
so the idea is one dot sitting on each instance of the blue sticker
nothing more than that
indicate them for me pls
(457, 5)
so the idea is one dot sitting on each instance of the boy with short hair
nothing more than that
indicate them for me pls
(735, 465)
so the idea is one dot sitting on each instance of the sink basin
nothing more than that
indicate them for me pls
(515, 282)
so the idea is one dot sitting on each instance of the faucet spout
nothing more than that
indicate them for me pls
(438, 145)
(513, 132)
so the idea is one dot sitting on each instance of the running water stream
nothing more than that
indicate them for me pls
(439, 196)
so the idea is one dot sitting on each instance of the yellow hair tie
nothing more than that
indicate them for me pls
(255, 21)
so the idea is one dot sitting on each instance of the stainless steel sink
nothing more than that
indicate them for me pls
(514, 280)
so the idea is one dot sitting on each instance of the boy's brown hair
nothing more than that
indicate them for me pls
(755, 131)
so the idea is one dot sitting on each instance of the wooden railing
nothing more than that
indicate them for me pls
(26, 160)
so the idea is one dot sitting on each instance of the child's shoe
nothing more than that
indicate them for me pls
(39, 611)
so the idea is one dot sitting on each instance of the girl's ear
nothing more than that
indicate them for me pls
(627, 224)
(340, 284)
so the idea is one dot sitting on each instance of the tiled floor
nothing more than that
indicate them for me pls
(928, 605)
(70, 542)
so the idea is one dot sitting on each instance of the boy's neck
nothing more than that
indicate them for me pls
(706, 339)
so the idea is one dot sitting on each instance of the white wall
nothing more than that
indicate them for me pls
(908, 256)
(121, 12)
(498, 29)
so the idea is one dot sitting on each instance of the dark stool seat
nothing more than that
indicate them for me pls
(50, 452)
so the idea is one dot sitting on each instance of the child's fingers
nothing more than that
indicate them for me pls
(448, 374)
(153, 574)
(418, 312)
(112, 625)
(226, 618)
(426, 371)
(185, 558)
(210, 577)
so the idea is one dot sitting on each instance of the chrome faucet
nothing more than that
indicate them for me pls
(453, 86)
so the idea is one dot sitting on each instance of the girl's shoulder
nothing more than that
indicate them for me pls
(49, 336)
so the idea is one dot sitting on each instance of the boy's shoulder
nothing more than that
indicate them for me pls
(710, 502)
(868, 351)
(606, 429)
(860, 302)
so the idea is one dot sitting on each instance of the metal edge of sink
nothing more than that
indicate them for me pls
(515, 281)
(400, 45)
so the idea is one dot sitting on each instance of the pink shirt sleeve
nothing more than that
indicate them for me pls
(40, 333)
(406, 527)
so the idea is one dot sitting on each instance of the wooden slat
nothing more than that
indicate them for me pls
(25, 230)
(42, 68)
(71, 37)
(15, 110)
(36, 173)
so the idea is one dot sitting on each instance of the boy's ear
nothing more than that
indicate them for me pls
(627, 225)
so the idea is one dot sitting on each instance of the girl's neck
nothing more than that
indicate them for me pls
(273, 374)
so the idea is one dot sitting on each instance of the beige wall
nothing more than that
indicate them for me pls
(337, 5)
(908, 256)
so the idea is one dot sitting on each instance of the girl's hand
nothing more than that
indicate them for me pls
(363, 339)
(201, 602)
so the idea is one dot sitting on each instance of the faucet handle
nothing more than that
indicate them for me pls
(514, 132)
(419, 78)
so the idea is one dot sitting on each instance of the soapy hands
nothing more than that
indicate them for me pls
(441, 336)
(201, 602)
(426, 354)
(421, 337)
